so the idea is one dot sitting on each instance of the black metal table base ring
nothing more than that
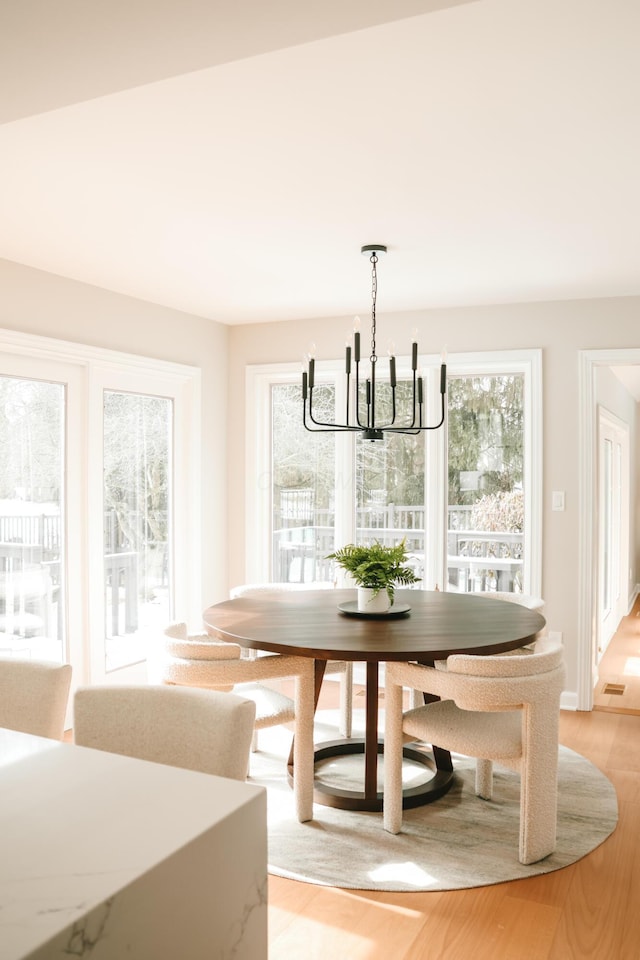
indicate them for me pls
(331, 796)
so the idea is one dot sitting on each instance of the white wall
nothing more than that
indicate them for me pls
(559, 328)
(41, 303)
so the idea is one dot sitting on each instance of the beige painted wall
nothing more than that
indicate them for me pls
(32, 301)
(559, 328)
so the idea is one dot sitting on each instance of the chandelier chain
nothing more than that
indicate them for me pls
(374, 295)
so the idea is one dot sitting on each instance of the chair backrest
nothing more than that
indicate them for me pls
(544, 655)
(199, 646)
(201, 730)
(490, 682)
(499, 682)
(34, 696)
(524, 599)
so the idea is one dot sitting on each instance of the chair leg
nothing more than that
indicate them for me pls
(538, 790)
(392, 802)
(484, 779)
(346, 701)
(303, 760)
(254, 741)
(417, 699)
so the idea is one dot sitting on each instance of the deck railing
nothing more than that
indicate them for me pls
(477, 560)
(31, 544)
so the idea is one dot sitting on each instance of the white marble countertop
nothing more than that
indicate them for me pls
(78, 826)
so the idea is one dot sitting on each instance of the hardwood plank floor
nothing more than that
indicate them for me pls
(620, 667)
(588, 910)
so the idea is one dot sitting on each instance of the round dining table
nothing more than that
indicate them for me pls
(423, 626)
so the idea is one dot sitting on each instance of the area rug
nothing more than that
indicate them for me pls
(459, 841)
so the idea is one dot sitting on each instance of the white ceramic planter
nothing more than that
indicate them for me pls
(367, 603)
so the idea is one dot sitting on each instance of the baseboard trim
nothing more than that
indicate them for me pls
(569, 700)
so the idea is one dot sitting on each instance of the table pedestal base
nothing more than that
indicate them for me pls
(331, 796)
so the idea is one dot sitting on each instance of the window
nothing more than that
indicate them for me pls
(100, 503)
(466, 498)
(302, 490)
(485, 509)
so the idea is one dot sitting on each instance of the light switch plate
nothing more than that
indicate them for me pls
(557, 500)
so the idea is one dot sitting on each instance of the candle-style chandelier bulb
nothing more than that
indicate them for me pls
(366, 418)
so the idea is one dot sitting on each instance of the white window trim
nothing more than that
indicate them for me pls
(97, 365)
(259, 379)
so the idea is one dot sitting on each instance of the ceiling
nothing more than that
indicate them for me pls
(229, 160)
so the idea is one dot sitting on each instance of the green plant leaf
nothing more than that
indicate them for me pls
(377, 567)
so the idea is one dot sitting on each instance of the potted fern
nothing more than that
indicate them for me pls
(376, 569)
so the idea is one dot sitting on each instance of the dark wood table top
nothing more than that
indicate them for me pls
(308, 623)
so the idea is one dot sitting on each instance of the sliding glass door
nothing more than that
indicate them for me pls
(32, 529)
(99, 505)
(137, 544)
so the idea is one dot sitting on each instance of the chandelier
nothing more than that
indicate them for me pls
(365, 417)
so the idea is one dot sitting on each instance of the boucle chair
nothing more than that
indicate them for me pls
(34, 696)
(342, 667)
(196, 729)
(524, 599)
(493, 708)
(196, 660)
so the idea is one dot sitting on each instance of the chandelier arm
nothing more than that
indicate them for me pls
(319, 423)
(307, 393)
(409, 426)
(322, 427)
(330, 428)
(414, 430)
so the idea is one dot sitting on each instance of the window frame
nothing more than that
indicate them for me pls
(260, 378)
(86, 370)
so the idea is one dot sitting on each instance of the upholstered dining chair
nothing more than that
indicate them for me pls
(495, 708)
(34, 696)
(341, 667)
(523, 599)
(196, 729)
(196, 660)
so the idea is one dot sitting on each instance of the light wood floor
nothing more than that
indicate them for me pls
(586, 911)
(619, 668)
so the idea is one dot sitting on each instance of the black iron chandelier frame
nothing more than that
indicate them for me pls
(364, 421)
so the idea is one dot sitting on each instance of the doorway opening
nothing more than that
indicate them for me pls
(608, 521)
(618, 687)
